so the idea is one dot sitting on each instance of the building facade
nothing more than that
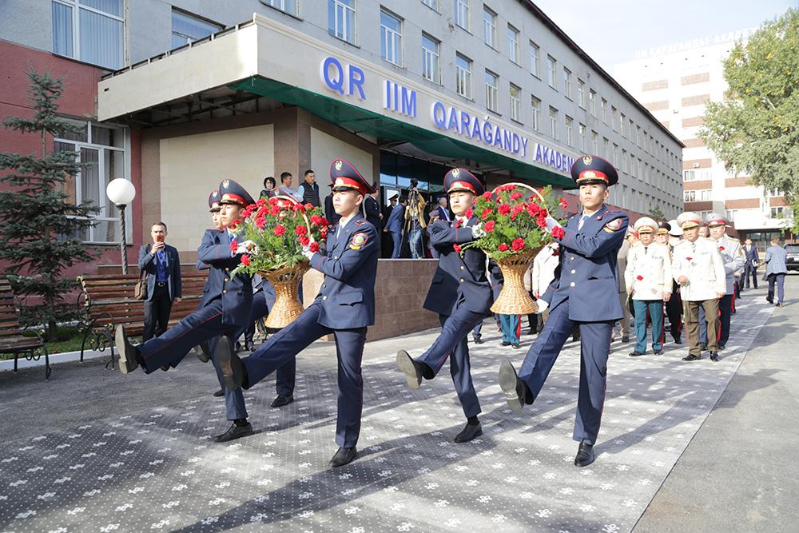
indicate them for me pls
(195, 91)
(675, 83)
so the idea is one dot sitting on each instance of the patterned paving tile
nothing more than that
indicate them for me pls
(158, 470)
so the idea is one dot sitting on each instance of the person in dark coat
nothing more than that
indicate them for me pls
(461, 295)
(161, 262)
(584, 295)
(344, 307)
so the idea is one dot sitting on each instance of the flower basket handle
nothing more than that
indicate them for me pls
(524, 186)
(295, 202)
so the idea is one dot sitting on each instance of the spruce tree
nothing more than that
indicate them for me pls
(38, 220)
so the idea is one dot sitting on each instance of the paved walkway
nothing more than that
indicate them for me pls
(132, 453)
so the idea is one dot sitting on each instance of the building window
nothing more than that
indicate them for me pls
(581, 137)
(90, 31)
(592, 101)
(624, 166)
(462, 13)
(489, 27)
(605, 148)
(391, 38)
(638, 136)
(552, 65)
(513, 44)
(432, 4)
(567, 82)
(689, 196)
(535, 59)
(553, 123)
(100, 151)
(463, 76)
(286, 6)
(569, 130)
(515, 103)
(430, 68)
(613, 118)
(492, 91)
(780, 212)
(535, 103)
(615, 155)
(622, 122)
(604, 111)
(341, 19)
(594, 142)
(186, 28)
(581, 93)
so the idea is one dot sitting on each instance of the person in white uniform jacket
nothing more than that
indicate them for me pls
(649, 281)
(698, 268)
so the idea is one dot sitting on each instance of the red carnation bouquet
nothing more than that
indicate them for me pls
(514, 217)
(275, 231)
(515, 220)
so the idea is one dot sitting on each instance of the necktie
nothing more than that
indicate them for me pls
(646, 250)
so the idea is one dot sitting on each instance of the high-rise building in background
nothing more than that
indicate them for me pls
(675, 83)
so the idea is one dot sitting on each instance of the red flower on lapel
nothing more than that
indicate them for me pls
(639, 277)
(456, 248)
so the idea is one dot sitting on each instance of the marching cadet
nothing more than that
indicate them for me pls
(734, 260)
(698, 268)
(648, 280)
(584, 295)
(461, 295)
(224, 310)
(344, 307)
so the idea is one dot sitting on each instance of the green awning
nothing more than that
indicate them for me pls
(360, 120)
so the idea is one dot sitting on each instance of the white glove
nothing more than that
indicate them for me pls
(478, 231)
(552, 224)
(306, 250)
(542, 305)
(247, 247)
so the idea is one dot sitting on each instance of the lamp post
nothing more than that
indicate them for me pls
(121, 192)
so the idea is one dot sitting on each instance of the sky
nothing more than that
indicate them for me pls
(611, 31)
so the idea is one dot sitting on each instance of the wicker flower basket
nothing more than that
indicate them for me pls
(287, 303)
(513, 298)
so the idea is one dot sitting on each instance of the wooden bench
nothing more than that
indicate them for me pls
(11, 339)
(107, 301)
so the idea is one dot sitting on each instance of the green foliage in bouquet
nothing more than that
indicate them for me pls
(514, 220)
(275, 231)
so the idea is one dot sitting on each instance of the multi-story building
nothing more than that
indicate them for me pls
(675, 82)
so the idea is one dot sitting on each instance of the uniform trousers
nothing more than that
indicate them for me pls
(725, 315)
(452, 344)
(286, 375)
(594, 351)
(655, 309)
(156, 311)
(284, 346)
(692, 325)
(674, 312)
(624, 323)
(510, 328)
(203, 325)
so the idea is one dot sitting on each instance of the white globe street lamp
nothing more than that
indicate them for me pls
(121, 192)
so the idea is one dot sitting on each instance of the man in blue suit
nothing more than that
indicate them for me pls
(224, 311)
(752, 261)
(344, 307)
(461, 295)
(162, 264)
(584, 296)
(394, 225)
(443, 210)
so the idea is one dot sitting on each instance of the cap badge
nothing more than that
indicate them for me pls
(339, 164)
(589, 173)
(226, 184)
(587, 160)
(456, 172)
(339, 182)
